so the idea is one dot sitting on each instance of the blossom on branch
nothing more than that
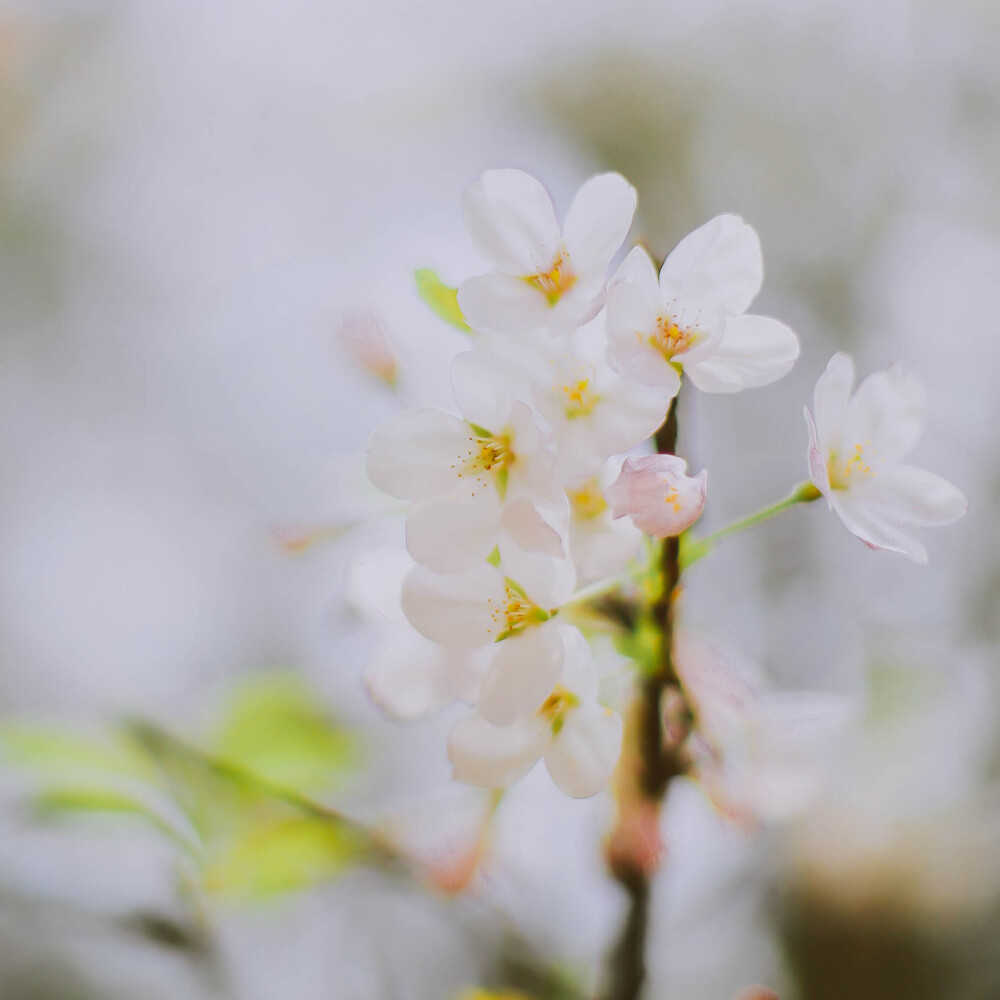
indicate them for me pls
(658, 495)
(547, 276)
(693, 319)
(856, 446)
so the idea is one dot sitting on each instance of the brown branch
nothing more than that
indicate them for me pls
(634, 848)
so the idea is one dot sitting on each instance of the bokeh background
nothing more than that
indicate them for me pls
(196, 197)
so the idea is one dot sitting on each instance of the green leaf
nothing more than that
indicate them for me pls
(442, 299)
(276, 729)
(283, 856)
(51, 751)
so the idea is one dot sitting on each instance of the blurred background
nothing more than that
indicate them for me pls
(196, 201)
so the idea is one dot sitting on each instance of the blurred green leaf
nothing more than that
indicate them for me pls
(442, 299)
(275, 729)
(49, 750)
(284, 856)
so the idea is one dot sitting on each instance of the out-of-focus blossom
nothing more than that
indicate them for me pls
(366, 339)
(761, 755)
(694, 318)
(856, 446)
(578, 738)
(599, 545)
(462, 473)
(547, 276)
(658, 495)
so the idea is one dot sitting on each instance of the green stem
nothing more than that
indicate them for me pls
(695, 549)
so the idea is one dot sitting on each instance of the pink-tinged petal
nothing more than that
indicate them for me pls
(456, 609)
(498, 303)
(584, 752)
(819, 473)
(598, 222)
(633, 301)
(413, 454)
(489, 756)
(874, 526)
(719, 262)
(512, 222)
(830, 400)
(753, 351)
(522, 673)
(485, 387)
(409, 677)
(364, 337)
(655, 492)
(886, 414)
(452, 534)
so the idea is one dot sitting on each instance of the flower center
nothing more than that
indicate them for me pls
(487, 460)
(558, 279)
(672, 497)
(580, 398)
(555, 707)
(670, 339)
(588, 501)
(515, 612)
(858, 465)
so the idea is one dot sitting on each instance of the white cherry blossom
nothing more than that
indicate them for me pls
(547, 276)
(856, 447)
(461, 474)
(578, 738)
(657, 494)
(693, 318)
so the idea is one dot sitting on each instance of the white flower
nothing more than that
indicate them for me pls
(694, 319)
(600, 545)
(658, 496)
(511, 608)
(546, 276)
(856, 444)
(462, 474)
(579, 739)
(407, 676)
(761, 755)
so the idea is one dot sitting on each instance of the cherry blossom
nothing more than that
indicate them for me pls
(693, 319)
(856, 446)
(547, 276)
(657, 495)
(461, 474)
(578, 738)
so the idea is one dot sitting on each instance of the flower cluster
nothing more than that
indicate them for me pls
(541, 483)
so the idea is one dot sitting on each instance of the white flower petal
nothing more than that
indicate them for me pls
(547, 579)
(533, 529)
(578, 673)
(452, 534)
(598, 221)
(411, 455)
(816, 457)
(887, 411)
(532, 472)
(633, 305)
(484, 387)
(873, 527)
(375, 580)
(626, 416)
(655, 492)
(719, 262)
(830, 400)
(491, 756)
(522, 673)
(584, 752)
(912, 497)
(499, 303)
(512, 222)
(456, 609)
(409, 676)
(754, 351)
(642, 363)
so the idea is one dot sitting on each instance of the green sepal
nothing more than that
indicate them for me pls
(494, 557)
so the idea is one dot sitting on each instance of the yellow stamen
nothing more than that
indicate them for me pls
(555, 707)
(515, 613)
(587, 501)
(554, 282)
(857, 466)
(580, 398)
(670, 339)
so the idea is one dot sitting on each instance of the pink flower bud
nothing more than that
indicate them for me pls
(655, 493)
(363, 335)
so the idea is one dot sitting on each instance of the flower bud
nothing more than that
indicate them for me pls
(655, 492)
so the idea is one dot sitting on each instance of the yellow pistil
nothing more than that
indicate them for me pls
(587, 501)
(857, 466)
(670, 339)
(555, 707)
(515, 613)
(554, 282)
